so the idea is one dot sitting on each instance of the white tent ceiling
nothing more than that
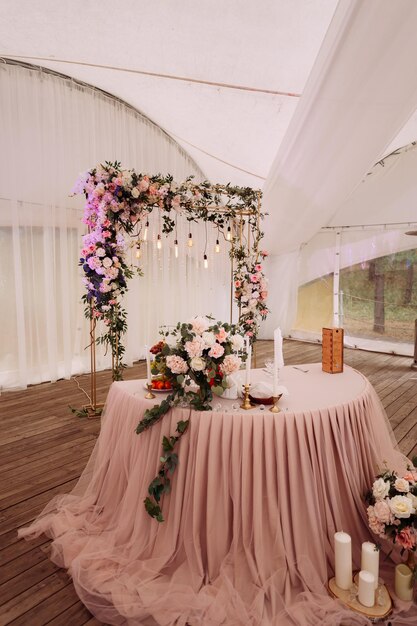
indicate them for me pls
(266, 45)
(222, 78)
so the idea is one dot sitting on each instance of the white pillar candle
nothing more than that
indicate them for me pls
(403, 582)
(248, 365)
(366, 593)
(148, 365)
(343, 560)
(370, 559)
(278, 355)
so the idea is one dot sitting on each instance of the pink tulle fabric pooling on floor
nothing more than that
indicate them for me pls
(255, 502)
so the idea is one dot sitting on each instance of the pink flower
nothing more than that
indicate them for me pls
(254, 278)
(153, 190)
(383, 512)
(406, 538)
(249, 333)
(195, 347)
(250, 321)
(375, 525)
(176, 364)
(238, 283)
(93, 262)
(199, 324)
(230, 364)
(258, 267)
(264, 253)
(143, 184)
(411, 477)
(112, 301)
(106, 234)
(222, 335)
(216, 351)
(263, 295)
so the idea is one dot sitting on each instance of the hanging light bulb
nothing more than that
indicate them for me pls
(190, 240)
(138, 252)
(205, 262)
(217, 246)
(229, 234)
(176, 248)
(159, 242)
(145, 232)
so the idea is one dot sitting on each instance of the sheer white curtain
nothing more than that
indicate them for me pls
(51, 129)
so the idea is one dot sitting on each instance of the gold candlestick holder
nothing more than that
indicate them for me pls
(275, 408)
(246, 402)
(149, 395)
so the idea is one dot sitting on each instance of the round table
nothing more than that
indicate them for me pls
(255, 502)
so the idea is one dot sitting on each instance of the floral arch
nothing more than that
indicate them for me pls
(119, 201)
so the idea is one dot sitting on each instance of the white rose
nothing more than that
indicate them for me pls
(402, 485)
(380, 489)
(209, 338)
(135, 192)
(197, 364)
(100, 252)
(401, 506)
(107, 262)
(237, 342)
(413, 500)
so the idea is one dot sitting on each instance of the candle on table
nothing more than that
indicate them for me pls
(148, 365)
(366, 593)
(248, 365)
(343, 560)
(403, 582)
(370, 560)
(278, 355)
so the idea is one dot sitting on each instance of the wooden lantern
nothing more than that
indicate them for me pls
(332, 350)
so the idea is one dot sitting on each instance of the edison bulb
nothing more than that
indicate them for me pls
(217, 246)
(159, 242)
(190, 240)
(205, 262)
(176, 248)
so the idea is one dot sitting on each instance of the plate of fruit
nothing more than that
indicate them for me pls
(160, 385)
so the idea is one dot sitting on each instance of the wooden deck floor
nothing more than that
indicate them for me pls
(44, 448)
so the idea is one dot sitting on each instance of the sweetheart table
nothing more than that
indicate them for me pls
(249, 524)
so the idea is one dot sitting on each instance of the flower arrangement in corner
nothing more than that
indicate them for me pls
(195, 358)
(392, 510)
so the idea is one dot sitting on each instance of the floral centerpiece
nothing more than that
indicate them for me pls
(392, 510)
(195, 358)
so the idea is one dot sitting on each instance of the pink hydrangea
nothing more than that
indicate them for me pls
(383, 512)
(216, 351)
(230, 364)
(176, 364)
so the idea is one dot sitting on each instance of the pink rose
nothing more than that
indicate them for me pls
(406, 538)
(264, 295)
(153, 190)
(216, 351)
(106, 234)
(411, 477)
(222, 335)
(254, 278)
(143, 185)
(249, 333)
(237, 283)
(258, 267)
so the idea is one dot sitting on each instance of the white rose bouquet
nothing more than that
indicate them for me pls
(392, 508)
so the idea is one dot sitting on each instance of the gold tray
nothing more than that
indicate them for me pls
(374, 614)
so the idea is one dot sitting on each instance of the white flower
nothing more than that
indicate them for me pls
(100, 252)
(176, 364)
(197, 364)
(209, 338)
(107, 262)
(380, 489)
(401, 506)
(413, 500)
(135, 192)
(402, 485)
(200, 324)
(237, 342)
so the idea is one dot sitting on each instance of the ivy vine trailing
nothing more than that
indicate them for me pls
(119, 201)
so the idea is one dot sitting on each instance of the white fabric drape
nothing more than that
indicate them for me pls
(362, 89)
(50, 130)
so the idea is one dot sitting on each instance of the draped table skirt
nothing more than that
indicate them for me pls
(249, 524)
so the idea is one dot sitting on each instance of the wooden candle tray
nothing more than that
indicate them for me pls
(375, 614)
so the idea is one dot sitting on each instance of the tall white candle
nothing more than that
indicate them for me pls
(366, 590)
(248, 365)
(148, 365)
(343, 560)
(278, 355)
(370, 559)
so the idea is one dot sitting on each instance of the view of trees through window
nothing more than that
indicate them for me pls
(380, 297)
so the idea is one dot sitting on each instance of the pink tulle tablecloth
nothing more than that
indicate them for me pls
(255, 502)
